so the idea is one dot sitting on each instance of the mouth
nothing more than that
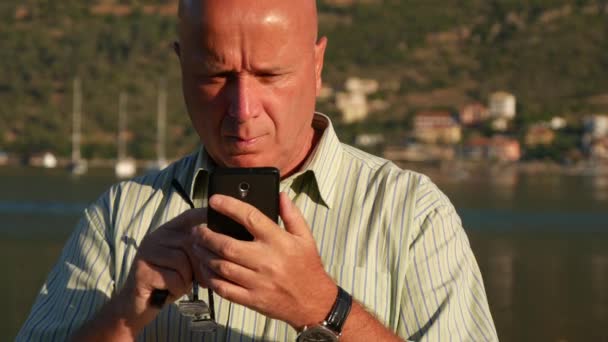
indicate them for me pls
(243, 143)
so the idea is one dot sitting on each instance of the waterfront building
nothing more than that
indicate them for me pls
(416, 152)
(496, 148)
(539, 134)
(473, 114)
(476, 148)
(504, 149)
(435, 127)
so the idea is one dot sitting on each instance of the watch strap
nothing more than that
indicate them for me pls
(339, 311)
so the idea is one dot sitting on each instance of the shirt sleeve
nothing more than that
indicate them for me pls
(443, 297)
(78, 285)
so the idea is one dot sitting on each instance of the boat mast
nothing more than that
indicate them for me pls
(76, 120)
(161, 122)
(122, 125)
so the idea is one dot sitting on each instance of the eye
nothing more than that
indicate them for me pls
(222, 75)
(269, 77)
(214, 77)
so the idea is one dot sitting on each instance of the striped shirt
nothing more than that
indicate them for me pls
(387, 236)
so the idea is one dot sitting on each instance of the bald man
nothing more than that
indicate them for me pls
(365, 251)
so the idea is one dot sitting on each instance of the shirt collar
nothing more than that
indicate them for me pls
(323, 163)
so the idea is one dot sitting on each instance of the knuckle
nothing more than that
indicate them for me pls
(227, 249)
(221, 290)
(253, 217)
(271, 268)
(225, 269)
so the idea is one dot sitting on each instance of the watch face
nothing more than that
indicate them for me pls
(318, 333)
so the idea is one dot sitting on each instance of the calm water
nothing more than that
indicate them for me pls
(541, 242)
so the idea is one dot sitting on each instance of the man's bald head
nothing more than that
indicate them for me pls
(251, 71)
(194, 14)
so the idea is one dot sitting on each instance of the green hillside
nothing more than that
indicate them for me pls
(552, 54)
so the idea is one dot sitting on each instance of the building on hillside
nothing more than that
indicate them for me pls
(599, 149)
(353, 103)
(473, 114)
(326, 93)
(369, 139)
(596, 125)
(502, 105)
(358, 85)
(353, 106)
(557, 123)
(539, 134)
(500, 124)
(436, 127)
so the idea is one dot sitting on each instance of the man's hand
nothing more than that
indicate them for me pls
(279, 274)
(163, 261)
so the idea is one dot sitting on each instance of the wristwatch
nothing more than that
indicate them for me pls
(331, 328)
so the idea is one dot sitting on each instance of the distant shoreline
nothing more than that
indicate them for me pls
(466, 169)
(458, 169)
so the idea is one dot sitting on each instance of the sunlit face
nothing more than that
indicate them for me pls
(251, 71)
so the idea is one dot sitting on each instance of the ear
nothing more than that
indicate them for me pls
(176, 48)
(319, 59)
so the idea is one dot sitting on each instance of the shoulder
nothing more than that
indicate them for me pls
(134, 194)
(406, 187)
(154, 181)
(383, 169)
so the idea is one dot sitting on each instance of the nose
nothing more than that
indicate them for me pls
(244, 101)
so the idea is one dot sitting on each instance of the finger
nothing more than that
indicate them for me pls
(162, 278)
(230, 271)
(228, 290)
(186, 220)
(250, 217)
(172, 259)
(292, 217)
(228, 248)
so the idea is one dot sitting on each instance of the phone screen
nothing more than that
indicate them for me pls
(256, 186)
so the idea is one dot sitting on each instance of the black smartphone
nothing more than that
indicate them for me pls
(257, 186)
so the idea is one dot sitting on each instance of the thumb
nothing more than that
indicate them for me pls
(292, 217)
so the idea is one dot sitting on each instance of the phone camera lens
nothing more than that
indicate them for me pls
(244, 189)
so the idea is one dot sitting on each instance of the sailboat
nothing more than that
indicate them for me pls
(78, 166)
(125, 167)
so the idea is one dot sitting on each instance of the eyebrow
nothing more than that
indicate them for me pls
(214, 64)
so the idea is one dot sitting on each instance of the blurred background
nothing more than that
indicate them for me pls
(504, 103)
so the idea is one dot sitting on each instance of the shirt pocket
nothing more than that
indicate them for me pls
(371, 287)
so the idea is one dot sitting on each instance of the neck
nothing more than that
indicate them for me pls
(307, 151)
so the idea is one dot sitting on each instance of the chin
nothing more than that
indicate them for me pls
(248, 160)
